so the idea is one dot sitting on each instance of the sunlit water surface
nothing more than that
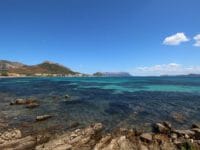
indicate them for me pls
(134, 102)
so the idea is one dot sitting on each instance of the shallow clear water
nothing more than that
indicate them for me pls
(117, 102)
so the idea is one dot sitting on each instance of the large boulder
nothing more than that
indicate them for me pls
(79, 139)
(12, 140)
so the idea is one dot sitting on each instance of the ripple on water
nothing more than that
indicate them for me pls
(130, 102)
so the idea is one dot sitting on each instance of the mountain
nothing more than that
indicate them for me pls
(5, 65)
(45, 68)
(112, 74)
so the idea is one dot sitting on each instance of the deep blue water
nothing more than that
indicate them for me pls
(134, 102)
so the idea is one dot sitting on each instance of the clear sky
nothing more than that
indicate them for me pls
(143, 37)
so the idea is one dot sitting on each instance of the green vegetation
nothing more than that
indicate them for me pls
(52, 68)
(44, 69)
(188, 146)
(4, 73)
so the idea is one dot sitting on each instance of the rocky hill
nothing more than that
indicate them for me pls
(112, 74)
(47, 68)
(5, 65)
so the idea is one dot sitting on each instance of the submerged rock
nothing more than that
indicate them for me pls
(67, 96)
(21, 101)
(43, 117)
(32, 105)
(18, 101)
(179, 117)
(74, 125)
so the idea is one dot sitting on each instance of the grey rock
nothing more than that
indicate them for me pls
(43, 117)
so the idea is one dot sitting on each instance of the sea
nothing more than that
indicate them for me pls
(117, 102)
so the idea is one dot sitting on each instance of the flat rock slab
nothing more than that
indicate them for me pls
(43, 117)
(147, 137)
(26, 143)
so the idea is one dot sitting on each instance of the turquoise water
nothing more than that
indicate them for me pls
(134, 102)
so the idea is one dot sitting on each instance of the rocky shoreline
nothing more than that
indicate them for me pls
(94, 137)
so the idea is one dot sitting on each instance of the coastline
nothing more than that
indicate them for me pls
(94, 137)
(87, 137)
(163, 136)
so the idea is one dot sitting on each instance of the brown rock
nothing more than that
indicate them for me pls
(11, 135)
(103, 142)
(197, 133)
(98, 126)
(143, 147)
(21, 101)
(185, 133)
(124, 143)
(80, 139)
(195, 125)
(167, 124)
(3, 125)
(64, 147)
(174, 136)
(42, 138)
(161, 138)
(146, 137)
(160, 128)
(26, 143)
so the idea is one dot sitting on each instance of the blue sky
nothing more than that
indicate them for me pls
(143, 37)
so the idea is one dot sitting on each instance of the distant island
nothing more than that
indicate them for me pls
(112, 74)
